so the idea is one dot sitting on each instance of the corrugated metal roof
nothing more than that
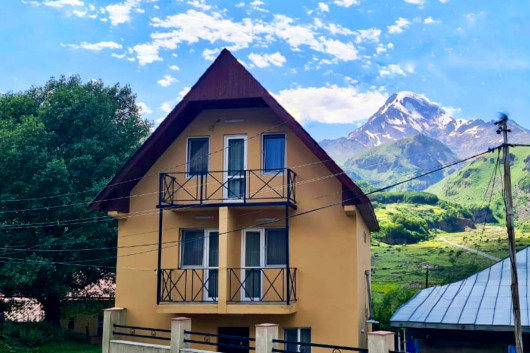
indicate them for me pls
(480, 302)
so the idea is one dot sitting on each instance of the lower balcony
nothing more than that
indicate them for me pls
(248, 290)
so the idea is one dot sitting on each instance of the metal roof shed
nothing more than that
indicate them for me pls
(479, 302)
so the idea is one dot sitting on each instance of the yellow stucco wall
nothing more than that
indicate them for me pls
(327, 246)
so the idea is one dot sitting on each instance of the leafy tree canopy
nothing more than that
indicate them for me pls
(66, 138)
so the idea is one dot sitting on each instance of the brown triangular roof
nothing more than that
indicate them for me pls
(225, 84)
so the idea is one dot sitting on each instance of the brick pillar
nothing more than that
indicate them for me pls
(178, 326)
(380, 342)
(111, 317)
(265, 333)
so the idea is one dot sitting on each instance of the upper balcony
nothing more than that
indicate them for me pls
(249, 187)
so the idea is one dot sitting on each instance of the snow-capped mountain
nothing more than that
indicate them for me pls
(406, 114)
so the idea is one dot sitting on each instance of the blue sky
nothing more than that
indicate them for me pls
(331, 63)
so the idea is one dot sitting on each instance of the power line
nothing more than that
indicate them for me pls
(157, 192)
(305, 212)
(139, 178)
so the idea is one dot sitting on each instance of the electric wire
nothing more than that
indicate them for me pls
(294, 215)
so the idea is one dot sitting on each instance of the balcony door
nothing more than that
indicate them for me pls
(262, 250)
(235, 166)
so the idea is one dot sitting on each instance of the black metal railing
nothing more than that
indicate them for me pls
(132, 332)
(189, 285)
(266, 284)
(221, 341)
(305, 347)
(180, 189)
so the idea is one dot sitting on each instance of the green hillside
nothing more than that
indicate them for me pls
(393, 162)
(467, 186)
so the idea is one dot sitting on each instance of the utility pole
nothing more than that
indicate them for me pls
(503, 129)
(427, 268)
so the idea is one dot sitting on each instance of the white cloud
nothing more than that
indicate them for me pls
(368, 35)
(79, 13)
(444, 1)
(241, 4)
(473, 17)
(256, 5)
(210, 54)
(144, 109)
(121, 13)
(94, 46)
(194, 26)
(118, 56)
(420, 3)
(174, 67)
(200, 4)
(391, 70)
(166, 107)
(323, 7)
(429, 20)
(331, 104)
(266, 60)
(401, 24)
(62, 3)
(340, 50)
(346, 3)
(167, 80)
(146, 53)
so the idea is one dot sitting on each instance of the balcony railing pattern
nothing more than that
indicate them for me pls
(266, 284)
(250, 284)
(189, 285)
(227, 186)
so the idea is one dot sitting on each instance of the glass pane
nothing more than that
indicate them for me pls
(274, 152)
(198, 155)
(275, 246)
(305, 336)
(252, 249)
(236, 188)
(236, 155)
(213, 278)
(252, 284)
(213, 251)
(192, 247)
(291, 335)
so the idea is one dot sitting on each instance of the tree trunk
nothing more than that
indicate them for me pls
(52, 309)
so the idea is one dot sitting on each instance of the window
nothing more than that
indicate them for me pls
(198, 148)
(273, 152)
(275, 246)
(296, 335)
(192, 245)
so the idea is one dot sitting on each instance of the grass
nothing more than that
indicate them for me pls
(467, 185)
(401, 266)
(57, 347)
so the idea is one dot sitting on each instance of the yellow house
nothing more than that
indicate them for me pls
(231, 214)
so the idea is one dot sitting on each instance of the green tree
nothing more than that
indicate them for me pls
(65, 138)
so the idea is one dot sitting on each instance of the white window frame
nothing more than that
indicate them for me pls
(298, 336)
(225, 164)
(188, 161)
(205, 255)
(263, 172)
(263, 254)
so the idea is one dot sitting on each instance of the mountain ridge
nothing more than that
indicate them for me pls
(406, 114)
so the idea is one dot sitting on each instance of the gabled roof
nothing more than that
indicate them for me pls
(225, 84)
(482, 301)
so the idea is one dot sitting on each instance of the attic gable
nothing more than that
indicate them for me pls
(225, 84)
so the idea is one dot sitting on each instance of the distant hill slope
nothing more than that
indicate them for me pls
(393, 162)
(468, 185)
(406, 114)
